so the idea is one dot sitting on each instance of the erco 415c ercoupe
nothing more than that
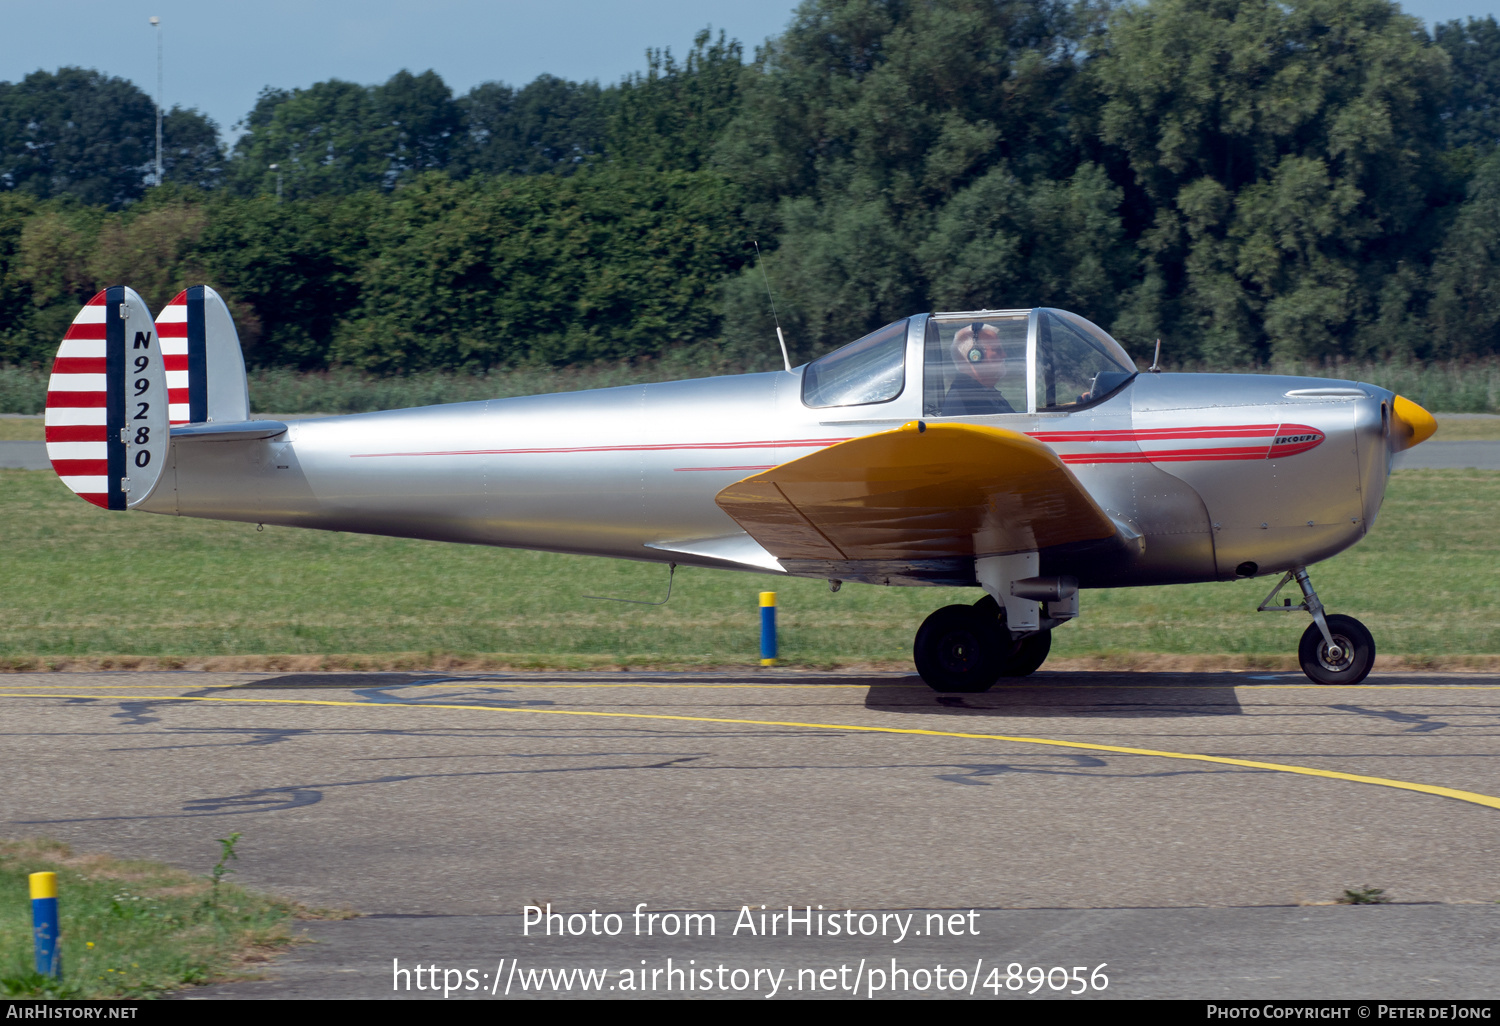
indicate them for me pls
(1016, 451)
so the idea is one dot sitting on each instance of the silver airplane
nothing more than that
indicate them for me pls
(1017, 451)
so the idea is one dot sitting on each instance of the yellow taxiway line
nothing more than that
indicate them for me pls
(1307, 771)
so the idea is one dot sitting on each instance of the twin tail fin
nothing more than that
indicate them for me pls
(205, 367)
(121, 379)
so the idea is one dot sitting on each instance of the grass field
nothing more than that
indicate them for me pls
(1479, 428)
(130, 929)
(81, 584)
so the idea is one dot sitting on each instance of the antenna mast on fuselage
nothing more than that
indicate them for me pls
(774, 315)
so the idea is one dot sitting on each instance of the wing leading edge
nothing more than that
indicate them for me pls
(933, 495)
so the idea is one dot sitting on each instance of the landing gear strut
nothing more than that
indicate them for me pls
(1334, 649)
(968, 648)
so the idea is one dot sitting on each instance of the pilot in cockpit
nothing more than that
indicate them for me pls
(981, 370)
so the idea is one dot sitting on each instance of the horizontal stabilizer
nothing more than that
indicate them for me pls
(920, 492)
(227, 432)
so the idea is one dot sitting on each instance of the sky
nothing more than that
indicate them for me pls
(219, 54)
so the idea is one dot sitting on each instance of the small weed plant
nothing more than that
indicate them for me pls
(221, 869)
(28, 983)
(1365, 896)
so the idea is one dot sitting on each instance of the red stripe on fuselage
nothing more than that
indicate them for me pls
(1307, 438)
(1158, 434)
(796, 443)
(1264, 451)
(736, 469)
(1258, 452)
(1191, 455)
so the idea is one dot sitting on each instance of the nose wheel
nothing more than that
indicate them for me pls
(1346, 659)
(1334, 649)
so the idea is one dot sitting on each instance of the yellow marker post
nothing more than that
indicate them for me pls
(44, 924)
(768, 628)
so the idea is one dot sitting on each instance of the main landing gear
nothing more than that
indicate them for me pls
(969, 648)
(1334, 649)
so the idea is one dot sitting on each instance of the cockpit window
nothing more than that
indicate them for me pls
(870, 370)
(975, 365)
(1077, 362)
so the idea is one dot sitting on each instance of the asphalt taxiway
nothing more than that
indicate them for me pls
(440, 806)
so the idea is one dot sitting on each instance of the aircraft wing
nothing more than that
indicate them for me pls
(921, 495)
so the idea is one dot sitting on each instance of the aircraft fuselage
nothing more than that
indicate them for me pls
(1180, 461)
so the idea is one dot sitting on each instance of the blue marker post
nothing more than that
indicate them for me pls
(44, 924)
(768, 628)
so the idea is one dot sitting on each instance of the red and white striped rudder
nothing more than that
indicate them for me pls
(205, 368)
(106, 421)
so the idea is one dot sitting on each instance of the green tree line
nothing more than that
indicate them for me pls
(1250, 180)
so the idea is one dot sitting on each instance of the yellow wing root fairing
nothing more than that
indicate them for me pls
(919, 492)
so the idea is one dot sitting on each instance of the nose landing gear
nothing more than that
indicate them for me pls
(968, 648)
(1334, 649)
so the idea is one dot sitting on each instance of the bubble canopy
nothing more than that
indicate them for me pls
(975, 363)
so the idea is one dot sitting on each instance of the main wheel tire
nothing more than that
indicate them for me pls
(1356, 658)
(1022, 656)
(959, 649)
(1029, 655)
